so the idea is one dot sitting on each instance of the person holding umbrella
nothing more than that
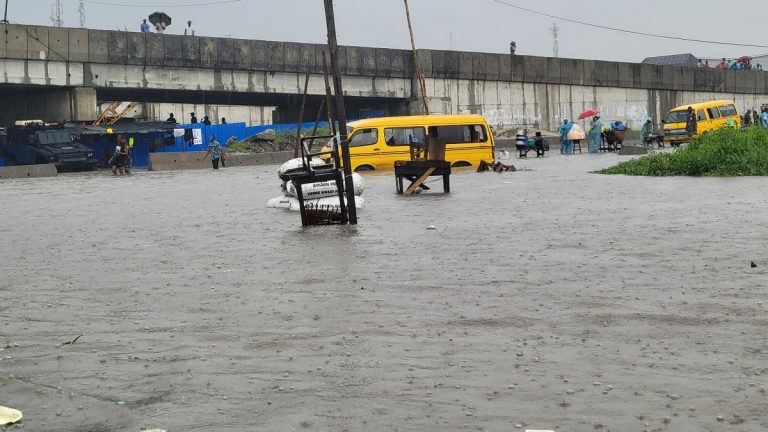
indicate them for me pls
(593, 137)
(161, 20)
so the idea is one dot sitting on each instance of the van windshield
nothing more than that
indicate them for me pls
(677, 117)
(54, 137)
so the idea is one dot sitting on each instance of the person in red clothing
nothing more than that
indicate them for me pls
(723, 64)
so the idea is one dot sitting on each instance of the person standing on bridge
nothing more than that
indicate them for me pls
(144, 26)
(189, 31)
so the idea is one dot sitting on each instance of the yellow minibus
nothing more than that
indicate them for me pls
(376, 143)
(710, 116)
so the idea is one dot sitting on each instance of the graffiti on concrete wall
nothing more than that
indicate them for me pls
(512, 117)
(633, 115)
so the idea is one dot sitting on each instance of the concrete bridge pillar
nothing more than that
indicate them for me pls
(52, 105)
(83, 103)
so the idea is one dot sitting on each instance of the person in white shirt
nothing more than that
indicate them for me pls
(189, 31)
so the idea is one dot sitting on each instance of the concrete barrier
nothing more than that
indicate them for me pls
(248, 159)
(28, 171)
(194, 160)
(627, 150)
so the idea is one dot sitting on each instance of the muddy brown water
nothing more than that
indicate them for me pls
(545, 299)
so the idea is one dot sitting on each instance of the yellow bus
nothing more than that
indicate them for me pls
(710, 116)
(376, 143)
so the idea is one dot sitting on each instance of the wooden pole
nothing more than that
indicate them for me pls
(329, 98)
(301, 116)
(417, 66)
(317, 122)
(333, 47)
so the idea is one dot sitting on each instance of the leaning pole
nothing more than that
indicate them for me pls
(333, 47)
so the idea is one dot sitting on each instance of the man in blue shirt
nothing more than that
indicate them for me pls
(215, 151)
(764, 118)
(144, 26)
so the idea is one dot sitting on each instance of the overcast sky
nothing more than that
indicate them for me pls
(469, 25)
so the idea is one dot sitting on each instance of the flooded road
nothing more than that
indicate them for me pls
(545, 299)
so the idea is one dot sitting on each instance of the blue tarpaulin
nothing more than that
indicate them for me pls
(157, 137)
(222, 133)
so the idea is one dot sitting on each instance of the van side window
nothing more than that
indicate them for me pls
(713, 113)
(460, 133)
(404, 136)
(364, 137)
(700, 115)
(728, 111)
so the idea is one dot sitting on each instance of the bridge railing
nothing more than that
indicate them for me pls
(167, 50)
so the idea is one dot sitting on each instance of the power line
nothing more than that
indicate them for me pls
(627, 31)
(160, 6)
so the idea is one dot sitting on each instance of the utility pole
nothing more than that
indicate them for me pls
(5, 15)
(341, 115)
(81, 9)
(555, 30)
(57, 12)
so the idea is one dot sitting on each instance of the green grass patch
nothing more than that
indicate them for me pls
(724, 153)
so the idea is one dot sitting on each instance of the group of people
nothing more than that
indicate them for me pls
(214, 149)
(160, 27)
(737, 64)
(120, 162)
(193, 119)
(752, 118)
(594, 135)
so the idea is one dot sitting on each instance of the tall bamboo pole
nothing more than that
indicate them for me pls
(329, 97)
(417, 66)
(333, 47)
(301, 115)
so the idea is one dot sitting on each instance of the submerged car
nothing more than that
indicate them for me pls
(34, 142)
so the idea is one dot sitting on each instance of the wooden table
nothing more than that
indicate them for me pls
(418, 171)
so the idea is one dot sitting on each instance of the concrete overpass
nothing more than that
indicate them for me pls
(61, 73)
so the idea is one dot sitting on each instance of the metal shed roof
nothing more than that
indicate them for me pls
(673, 60)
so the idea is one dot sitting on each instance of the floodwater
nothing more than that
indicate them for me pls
(549, 298)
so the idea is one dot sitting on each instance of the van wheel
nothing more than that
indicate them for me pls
(363, 168)
(461, 164)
